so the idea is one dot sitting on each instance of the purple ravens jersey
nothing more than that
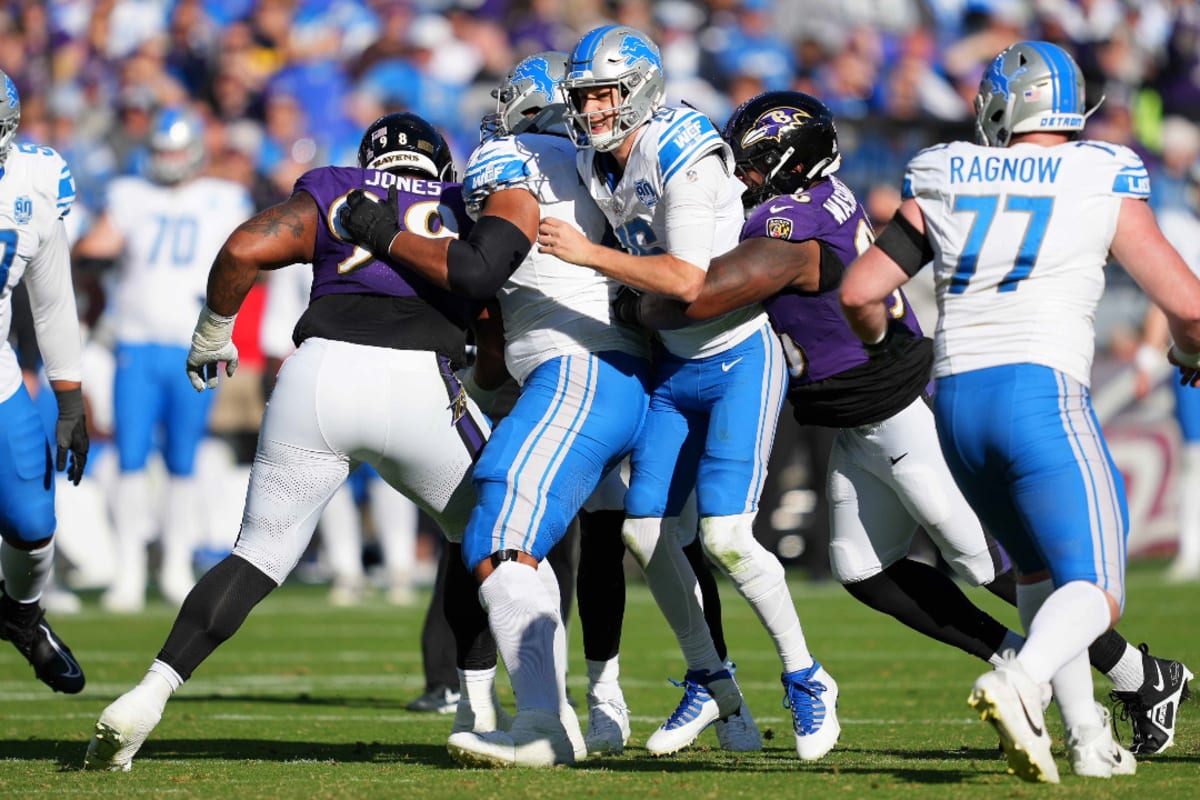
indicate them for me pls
(826, 361)
(357, 298)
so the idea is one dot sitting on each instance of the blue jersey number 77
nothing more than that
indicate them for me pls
(984, 208)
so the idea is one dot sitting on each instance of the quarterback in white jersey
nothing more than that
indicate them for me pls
(164, 230)
(36, 192)
(1019, 229)
(665, 180)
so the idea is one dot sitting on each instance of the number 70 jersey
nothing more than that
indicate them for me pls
(1020, 238)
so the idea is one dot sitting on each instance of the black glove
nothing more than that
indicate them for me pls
(370, 223)
(70, 434)
(625, 306)
(898, 338)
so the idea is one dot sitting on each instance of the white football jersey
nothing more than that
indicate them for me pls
(550, 307)
(172, 234)
(36, 192)
(1021, 236)
(665, 153)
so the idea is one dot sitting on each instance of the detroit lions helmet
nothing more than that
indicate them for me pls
(176, 146)
(405, 141)
(529, 99)
(10, 116)
(620, 57)
(788, 138)
(1031, 86)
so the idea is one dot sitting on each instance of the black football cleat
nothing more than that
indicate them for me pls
(24, 624)
(1154, 708)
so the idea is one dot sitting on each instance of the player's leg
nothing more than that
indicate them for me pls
(27, 547)
(1186, 566)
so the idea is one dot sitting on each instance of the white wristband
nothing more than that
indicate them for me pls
(211, 326)
(1148, 358)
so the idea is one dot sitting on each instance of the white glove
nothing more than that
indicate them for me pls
(212, 342)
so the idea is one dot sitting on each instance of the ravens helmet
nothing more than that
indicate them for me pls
(620, 57)
(788, 138)
(528, 99)
(404, 141)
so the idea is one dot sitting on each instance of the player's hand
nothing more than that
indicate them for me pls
(70, 434)
(563, 240)
(212, 343)
(625, 306)
(1189, 366)
(369, 222)
(896, 340)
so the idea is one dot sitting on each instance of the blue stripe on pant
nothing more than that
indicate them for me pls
(1026, 448)
(576, 417)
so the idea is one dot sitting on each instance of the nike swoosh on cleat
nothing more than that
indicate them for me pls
(74, 671)
(1160, 683)
(1037, 731)
(726, 367)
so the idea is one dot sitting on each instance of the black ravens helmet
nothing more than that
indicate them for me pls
(788, 138)
(404, 141)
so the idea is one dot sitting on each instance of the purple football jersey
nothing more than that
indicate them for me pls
(816, 337)
(427, 207)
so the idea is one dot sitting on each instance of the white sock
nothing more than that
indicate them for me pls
(1012, 641)
(1189, 505)
(759, 577)
(163, 677)
(550, 581)
(1069, 620)
(180, 532)
(1129, 673)
(26, 572)
(603, 676)
(1074, 693)
(673, 583)
(341, 536)
(525, 622)
(478, 686)
(133, 527)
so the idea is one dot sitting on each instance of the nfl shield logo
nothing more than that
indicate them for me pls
(645, 193)
(779, 228)
(23, 209)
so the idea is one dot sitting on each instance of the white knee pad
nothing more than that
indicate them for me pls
(730, 544)
(641, 536)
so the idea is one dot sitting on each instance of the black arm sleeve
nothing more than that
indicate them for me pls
(905, 245)
(478, 266)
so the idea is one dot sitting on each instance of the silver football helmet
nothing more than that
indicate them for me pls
(529, 99)
(176, 146)
(1031, 86)
(10, 116)
(620, 57)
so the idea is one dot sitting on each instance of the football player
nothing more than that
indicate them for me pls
(36, 192)
(1019, 227)
(372, 380)
(664, 180)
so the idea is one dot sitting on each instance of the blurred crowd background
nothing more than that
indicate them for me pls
(288, 85)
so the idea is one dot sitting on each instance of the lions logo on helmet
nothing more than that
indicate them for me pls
(1031, 86)
(528, 98)
(10, 116)
(634, 48)
(536, 70)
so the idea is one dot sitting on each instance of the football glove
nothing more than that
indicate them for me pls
(70, 434)
(625, 306)
(896, 340)
(370, 223)
(1188, 363)
(212, 343)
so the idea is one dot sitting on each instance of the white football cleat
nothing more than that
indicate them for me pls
(122, 729)
(481, 718)
(608, 724)
(1094, 754)
(537, 739)
(706, 698)
(1009, 699)
(812, 696)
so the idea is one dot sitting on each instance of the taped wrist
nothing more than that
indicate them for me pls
(213, 327)
(905, 245)
(1184, 358)
(479, 265)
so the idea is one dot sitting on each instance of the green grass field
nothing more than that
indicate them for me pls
(308, 701)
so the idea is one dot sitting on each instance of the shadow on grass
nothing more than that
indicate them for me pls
(302, 699)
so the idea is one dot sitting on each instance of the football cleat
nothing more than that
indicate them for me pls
(1153, 709)
(739, 733)
(705, 697)
(608, 724)
(24, 624)
(438, 700)
(537, 739)
(812, 696)
(481, 718)
(122, 730)
(1009, 699)
(1094, 754)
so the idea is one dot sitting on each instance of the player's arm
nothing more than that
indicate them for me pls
(758, 268)
(275, 237)
(474, 267)
(1149, 258)
(102, 242)
(898, 254)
